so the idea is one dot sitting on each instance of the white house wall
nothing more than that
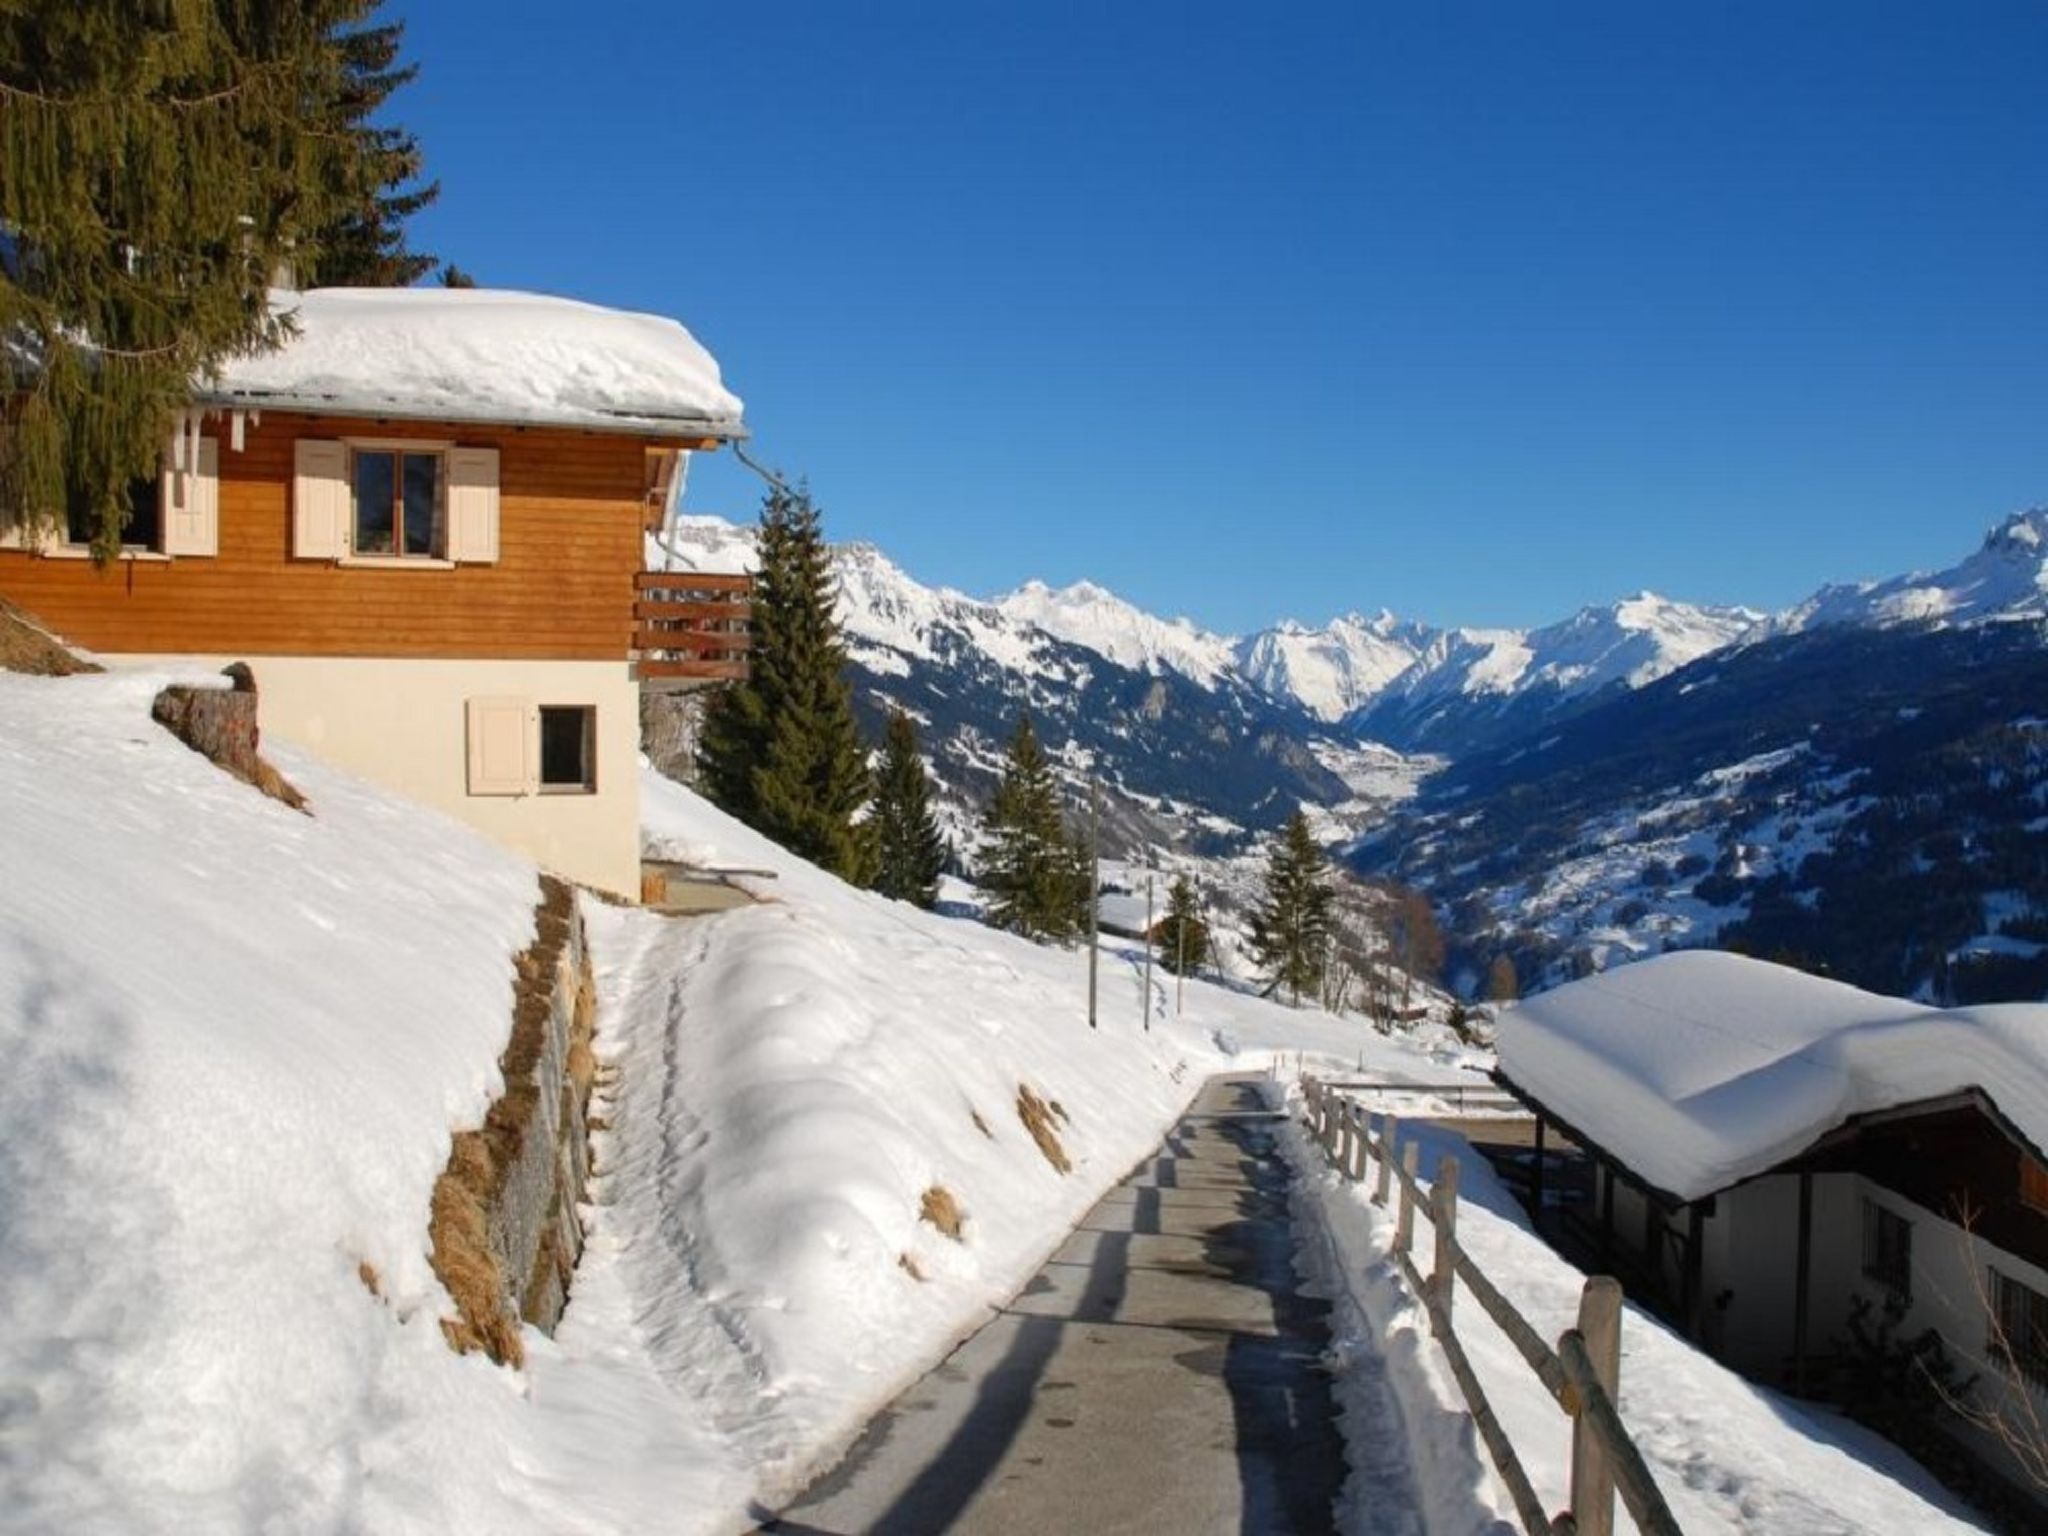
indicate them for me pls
(403, 723)
(1751, 1253)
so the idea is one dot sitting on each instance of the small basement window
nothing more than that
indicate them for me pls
(145, 530)
(399, 506)
(2022, 1333)
(568, 749)
(1887, 1247)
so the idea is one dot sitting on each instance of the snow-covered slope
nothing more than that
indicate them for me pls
(239, 1040)
(2006, 578)
(1335, 669)
(1096, 619)
(1733, 1458)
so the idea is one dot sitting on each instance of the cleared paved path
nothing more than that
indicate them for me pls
(1159, 1374)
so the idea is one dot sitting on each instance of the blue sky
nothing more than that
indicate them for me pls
(1475, 311)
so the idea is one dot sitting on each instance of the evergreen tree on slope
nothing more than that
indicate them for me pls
(1183, 935)
(156, 163)
(781, 750)
(1031, 872)
(911, 849)
(366, 246)
(1291, 928)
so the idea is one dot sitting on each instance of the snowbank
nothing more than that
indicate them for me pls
(794, 1077)
(1733, 1459)
(1700, 1069)
(234, 1040)
(238, 1040)
(482, 354)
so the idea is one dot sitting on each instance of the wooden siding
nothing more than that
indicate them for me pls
(571, 507)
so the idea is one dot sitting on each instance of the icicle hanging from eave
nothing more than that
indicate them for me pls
(678, 481)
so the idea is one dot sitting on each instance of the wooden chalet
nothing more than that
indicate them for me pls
(424, 523)
(1752, 1150)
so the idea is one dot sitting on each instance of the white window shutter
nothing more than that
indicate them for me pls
(320, 499)
(191, 504)
(473, 505)
(503, 747)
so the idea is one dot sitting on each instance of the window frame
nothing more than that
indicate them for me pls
(398, 447)
(587, 785)
(64, 547)
(2016, 1307)
(1893, 1270)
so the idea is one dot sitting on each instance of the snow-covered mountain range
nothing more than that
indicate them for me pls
(1527, 778)
(1380, 677)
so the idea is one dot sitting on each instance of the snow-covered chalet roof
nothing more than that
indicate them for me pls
(483, 355)
(1698, 1070)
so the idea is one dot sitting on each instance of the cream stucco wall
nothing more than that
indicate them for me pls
(404, 724)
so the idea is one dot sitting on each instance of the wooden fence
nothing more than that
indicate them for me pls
(1581, 1373)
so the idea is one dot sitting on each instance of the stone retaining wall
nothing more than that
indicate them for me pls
(506, 1230)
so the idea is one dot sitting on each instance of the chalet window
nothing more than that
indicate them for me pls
(2022, 1333)
(2034, 1184)
(1887, 1247)
(399, 506)
(384, 501)
(145, 530)
(568, 749)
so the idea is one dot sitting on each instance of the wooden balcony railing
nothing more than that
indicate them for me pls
(690, 626)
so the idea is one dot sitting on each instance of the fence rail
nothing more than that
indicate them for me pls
(1581, 1372)
(1460, 1096)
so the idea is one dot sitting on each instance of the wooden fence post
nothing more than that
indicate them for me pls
(1592, 1477)
(1390, 1133)
(1404, 1229)
(1443, 1216)
(1361, 1142)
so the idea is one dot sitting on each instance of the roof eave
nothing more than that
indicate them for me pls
(672, 428)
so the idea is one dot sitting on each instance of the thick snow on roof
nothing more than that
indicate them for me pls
(1698, 1070)
(482, 354)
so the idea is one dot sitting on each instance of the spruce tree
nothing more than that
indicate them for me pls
(157, 162)
(1031, 869)
(912, 850)
(1291, 928)
(1183, 935)
(781, 750)
(366, 247)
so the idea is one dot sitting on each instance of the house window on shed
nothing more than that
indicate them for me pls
(2022, 1334)
(399, 508)
(568, 749)
(1887, 1247)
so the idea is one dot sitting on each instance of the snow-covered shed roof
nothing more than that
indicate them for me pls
(483, 355)
(1698, 1070)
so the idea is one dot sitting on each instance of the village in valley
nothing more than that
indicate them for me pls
(572, 964)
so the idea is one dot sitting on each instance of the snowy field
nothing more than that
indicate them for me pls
(240, 1039)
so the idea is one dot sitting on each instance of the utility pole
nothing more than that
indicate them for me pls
(1094, 887)
(1180, 958)
(1146, 1001)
